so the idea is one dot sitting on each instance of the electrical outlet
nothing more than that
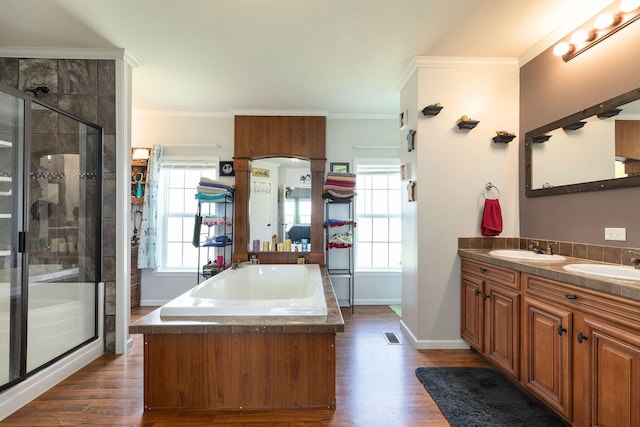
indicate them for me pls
(615, 234)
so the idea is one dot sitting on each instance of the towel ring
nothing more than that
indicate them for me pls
(487, 190)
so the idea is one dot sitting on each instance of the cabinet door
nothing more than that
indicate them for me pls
(614, 375)
(471, 321)
(546, 335)
(502, 311)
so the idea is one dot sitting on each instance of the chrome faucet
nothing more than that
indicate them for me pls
(535, 247)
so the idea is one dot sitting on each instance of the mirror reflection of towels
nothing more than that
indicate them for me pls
(491, 218)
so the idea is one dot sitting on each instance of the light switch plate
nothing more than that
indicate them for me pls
(615, 234)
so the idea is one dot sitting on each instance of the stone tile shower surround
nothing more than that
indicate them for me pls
(85, 88)
(602, 253)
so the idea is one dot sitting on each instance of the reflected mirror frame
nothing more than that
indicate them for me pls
(631, 181)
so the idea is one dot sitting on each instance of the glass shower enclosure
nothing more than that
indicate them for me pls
(50, 234)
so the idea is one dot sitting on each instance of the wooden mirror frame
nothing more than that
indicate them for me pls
(630, 181)
(258, 137)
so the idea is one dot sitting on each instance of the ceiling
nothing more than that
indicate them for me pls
(325, 56)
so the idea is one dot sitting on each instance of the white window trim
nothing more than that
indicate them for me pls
(378, 161)
(184, 161)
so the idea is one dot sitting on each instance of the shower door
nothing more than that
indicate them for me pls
(64, 234)
(50, 234)
(11, 325)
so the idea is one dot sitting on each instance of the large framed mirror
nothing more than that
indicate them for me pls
(267, 138)
(280, 201)
(594, 149)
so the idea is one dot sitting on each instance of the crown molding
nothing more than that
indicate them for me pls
(226, 114)
(362, 116)
(464, 62)
(455, 62)
(69, 53)
(204, 114)
(259, 112)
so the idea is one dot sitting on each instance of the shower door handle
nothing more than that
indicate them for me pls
(22, 242)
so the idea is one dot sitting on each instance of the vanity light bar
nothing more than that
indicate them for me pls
(604, 25)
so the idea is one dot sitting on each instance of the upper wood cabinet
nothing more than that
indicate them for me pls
(628, 139)
(275, 136)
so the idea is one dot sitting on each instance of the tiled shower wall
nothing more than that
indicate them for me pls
(85, 88)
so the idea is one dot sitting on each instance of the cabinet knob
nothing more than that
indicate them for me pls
(561, 330)
(487, 296)
(477, 292)
(483, 270)
(582, 337)
(571, 296)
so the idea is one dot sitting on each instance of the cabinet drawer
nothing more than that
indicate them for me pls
(503, 276)
(611, 307)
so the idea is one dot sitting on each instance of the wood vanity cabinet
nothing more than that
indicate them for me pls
(582, 352)
(546, 353)
(490, 314)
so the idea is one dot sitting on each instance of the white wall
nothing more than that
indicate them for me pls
(451, 168)
(410, 224)
(347, 137)
(365, 137)
(595, 144)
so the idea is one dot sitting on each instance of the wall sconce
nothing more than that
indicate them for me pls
(606, 24)
(140, 154)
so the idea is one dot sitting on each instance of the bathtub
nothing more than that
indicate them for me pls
(254, 290)
(61, 316)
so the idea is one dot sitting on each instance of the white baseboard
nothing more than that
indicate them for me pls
(457, 344)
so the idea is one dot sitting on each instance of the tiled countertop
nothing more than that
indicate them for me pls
(553, 270)
(332, 322)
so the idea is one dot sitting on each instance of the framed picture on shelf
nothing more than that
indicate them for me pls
(226, 168)
(339, 167)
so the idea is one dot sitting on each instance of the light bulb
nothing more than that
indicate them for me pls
(561, 49)
(603, 21)
(580, 37)
(629, 5)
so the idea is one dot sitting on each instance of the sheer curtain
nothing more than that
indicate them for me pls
(147, 253)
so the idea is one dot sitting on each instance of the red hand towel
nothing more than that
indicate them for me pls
(491, 218)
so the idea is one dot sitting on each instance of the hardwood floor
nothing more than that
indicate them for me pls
(375, 386)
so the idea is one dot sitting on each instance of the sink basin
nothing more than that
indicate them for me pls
(525, 255)
(622, 272)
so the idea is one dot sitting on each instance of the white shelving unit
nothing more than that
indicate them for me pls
(339, 238)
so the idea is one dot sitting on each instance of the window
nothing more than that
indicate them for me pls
(177, 207)
(378, 214)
